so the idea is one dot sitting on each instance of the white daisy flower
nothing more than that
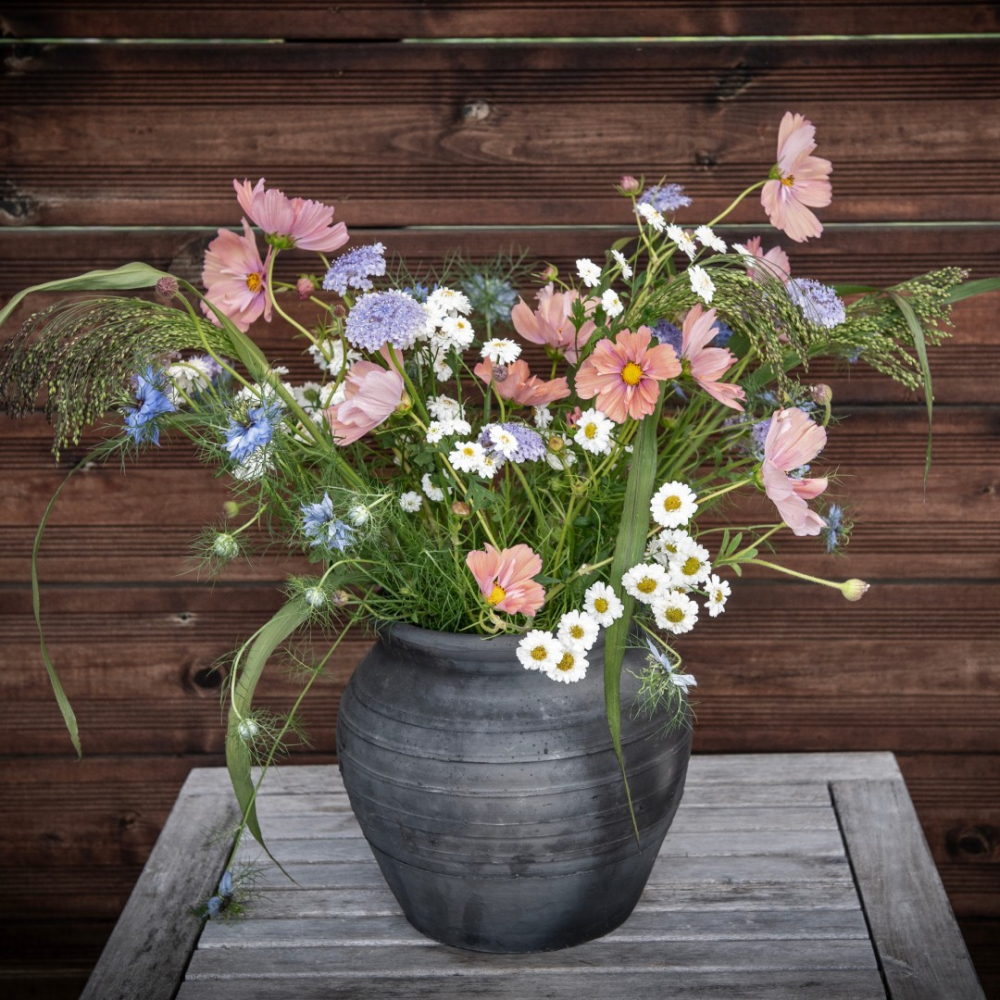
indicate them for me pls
(673, 504)
(602, 604)
(707, 238)
(622, 261)
(676, 613)
(456, 332)
(331, 356)
(442, 369)
(683, 240)
(431, 491)
(646, 582)
(411, 502)
(612, 304)
(445, 408)
(742, 250)
(542, 417)
(593, 432)
(359, 515)
(467, 456)
(718, 593)
(578, 631)
(443, 301)
(489, 465)
(501, 351)
(503, 441)
(590, 273)
(572, 666)
(436, 430)
(665, 546)
(539, 650)
(691, 566)
(701, 284)
(652, 216)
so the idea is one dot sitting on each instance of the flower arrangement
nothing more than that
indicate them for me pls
(432, 475)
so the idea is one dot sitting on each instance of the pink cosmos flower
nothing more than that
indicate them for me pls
(505, 578)
(625, 375)
(291, 222)
(519, 385)
(792, 441)
(551, 323)
(235, 278)
(708, 364)
(773, 264)
(798, 180)
(372, 395)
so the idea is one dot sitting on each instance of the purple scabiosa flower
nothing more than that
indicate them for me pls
(530, 444)
(380, 318)
(491, 298)
(321, 525)
(354, 268)
(666, 333)
(140, 421)
(819, 303)
(253, 431)
(664, 198)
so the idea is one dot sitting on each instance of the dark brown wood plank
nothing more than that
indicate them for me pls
(921, 951)
(456, 134)
(390, 19)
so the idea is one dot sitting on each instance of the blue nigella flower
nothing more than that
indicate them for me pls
(320, 524)
(354, 268)
(833, 527)
(491, 298)
(246, 436)
(659, 655)
(819, 303)
(220, 901)
(666, 333)
(140, 421)
(418, 291)
(724, 335)
(380, 318)
(853, 354)
(665, 198)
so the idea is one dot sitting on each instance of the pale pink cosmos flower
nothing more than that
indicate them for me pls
(793, 440)
(551, 324)
(708, 364)
(626, 375)
(505, 578)
(772, 264)
(798, 180)
(291, 222)
(235, 279)
(518, 384)
(372, 395)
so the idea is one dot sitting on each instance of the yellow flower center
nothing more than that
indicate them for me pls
(691, 566)
(496, 596)
(631, 374)
(788, 181)
(601, 605)
(590, 431)
(647, 585)
(539, 653)
(254, 282)
(718, 597)
(567, 662)
(670, 503)
(576, 631)
(674, 615)
(469, 451)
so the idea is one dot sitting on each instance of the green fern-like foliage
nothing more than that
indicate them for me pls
(83, 355)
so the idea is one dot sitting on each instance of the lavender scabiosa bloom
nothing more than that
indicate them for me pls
(530, 444)
(140, 421)
(380, 318)
(252, 432)
(664, 198)
(321, 525)
(819, 303)
(491, 298)
(354, 268)
(666, 333)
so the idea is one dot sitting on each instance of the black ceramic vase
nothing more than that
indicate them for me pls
(491, 795)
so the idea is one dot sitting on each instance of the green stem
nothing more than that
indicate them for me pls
(753, 187)
(274, 302)
(724, 490)
(795, 573)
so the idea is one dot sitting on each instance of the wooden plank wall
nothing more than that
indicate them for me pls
(425, 114)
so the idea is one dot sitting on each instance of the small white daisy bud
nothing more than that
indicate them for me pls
(225, 546)
(854, 589)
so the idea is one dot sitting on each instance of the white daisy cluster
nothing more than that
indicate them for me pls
(411, 502)
(315, 398)
(449, 419)
(448, 328)
(701, 284)
(683, 240)
(593, 432)
(623, 264)
(612, 304)
(563, 656)
(707, 238)
(191, 376)
(332, 357)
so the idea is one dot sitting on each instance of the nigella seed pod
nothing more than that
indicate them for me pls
(167, 287)
(225, 546)
(314, 597)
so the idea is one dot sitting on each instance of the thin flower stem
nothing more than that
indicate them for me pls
(724, 490)
(735, 557)
(795, 573)
(274, 302)
(753, 187)
(531, 496)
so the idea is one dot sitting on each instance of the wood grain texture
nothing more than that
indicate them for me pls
(922, 955)
(392, 19)
(436, 126)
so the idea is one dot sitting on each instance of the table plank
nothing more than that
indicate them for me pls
(922, 952)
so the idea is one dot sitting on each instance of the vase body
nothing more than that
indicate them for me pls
(491, 796)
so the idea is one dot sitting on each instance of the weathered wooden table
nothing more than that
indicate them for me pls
(792, 875)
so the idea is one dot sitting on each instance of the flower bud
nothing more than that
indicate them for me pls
(225, 546)
(500, 373)
(358, 515)
(461, 509)
(550, 273)
(314, 597)
(230, 508)
(855, 589)
(822, 394)
(556, 443)
(167, 287)
(405, 404)
(340, 598)
(339, 311)
(629, 184)
(305, 286)
(247, 729)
